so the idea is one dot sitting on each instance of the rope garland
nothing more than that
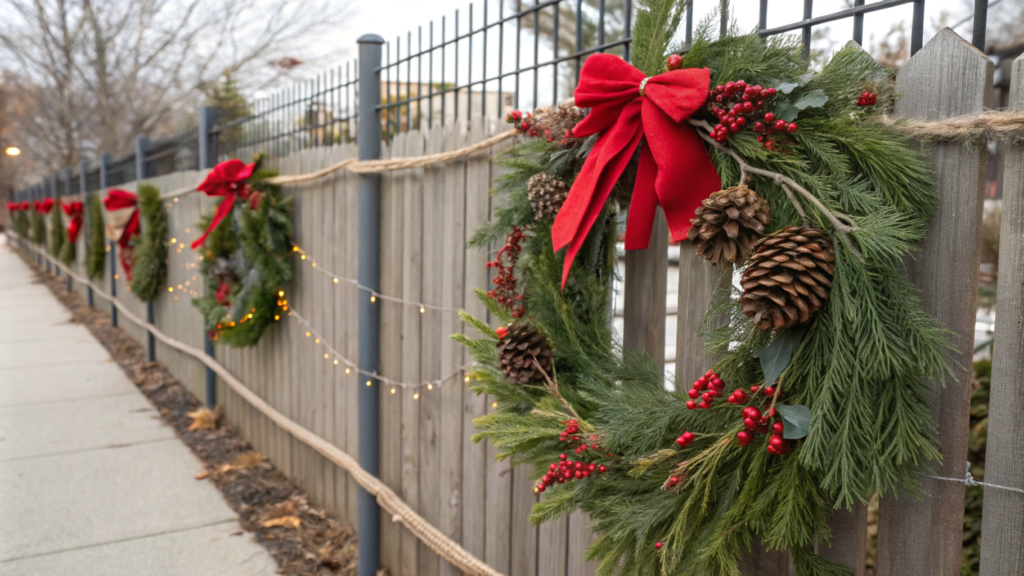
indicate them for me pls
(1005, 125)
(388, 500)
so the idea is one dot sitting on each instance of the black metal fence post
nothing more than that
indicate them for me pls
(207, 159)
(141, 144)
(54, 193)
(83, 187)
(112, 246)
(369, 313)
(69, 189)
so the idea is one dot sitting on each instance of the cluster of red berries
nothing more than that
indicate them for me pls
(524, 124)
(566, 470)
(867, 98)
(772, 125)
(756, 421)
(707, 388)
(506, 291)
(734, 104)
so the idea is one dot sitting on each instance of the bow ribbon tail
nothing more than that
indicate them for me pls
(74, 227)
(644, 204)
(222, 212)
(127, 250)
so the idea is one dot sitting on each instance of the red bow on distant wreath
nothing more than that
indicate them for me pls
(227, 179)
(119, 200)
(13, 206)
(44, 206)
(675, 170)
(74, 211)
(25, 205)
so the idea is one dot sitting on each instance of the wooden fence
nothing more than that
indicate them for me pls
(426, 454)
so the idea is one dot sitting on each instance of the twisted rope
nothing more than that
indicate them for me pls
(388, 500)
(1006, 125)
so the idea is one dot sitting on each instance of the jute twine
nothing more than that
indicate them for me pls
(1006, 125)
(388, 500)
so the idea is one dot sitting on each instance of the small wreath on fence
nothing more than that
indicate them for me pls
(73, 210)
(42, 208)
(826, 334)
(149, 248)
(95, 245)
(19, 217)
(245, 253)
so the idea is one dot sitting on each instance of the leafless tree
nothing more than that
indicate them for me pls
(88, 75)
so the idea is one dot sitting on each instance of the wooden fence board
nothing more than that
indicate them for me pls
(1002, 548)
(948, 77)
(646, 278)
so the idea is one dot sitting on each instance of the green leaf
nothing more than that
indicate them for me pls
(775, 357)
(796, 420)
(812, 99)
(787, 112)
(786, 87)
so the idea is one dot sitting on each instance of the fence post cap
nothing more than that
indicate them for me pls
(370, 39)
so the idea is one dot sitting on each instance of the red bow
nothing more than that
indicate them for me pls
(227, 179)
(13, 206)
(74, 211)
(25, 205)
(675, 170)
(117, 200)
(44, 206)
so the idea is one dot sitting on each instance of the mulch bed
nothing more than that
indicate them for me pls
(301, 536)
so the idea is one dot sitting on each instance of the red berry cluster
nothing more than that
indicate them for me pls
(756, 421)
(707, 388)
(523, 122)
(674, 62)
(867, 98)
(734, 104)
(566, 470)
(506, 292)
(772, 125)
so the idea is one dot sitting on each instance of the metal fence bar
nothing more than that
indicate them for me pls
(207, 159)
(141, 172)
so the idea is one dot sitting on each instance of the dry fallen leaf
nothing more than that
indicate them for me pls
(204, 418)
(248, 459)
(285, 521)
(202, 474)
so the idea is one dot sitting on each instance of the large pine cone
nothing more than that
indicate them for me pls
(788, 277)
(547, 194)
(728, 223)
(556, 123)
(518, 350)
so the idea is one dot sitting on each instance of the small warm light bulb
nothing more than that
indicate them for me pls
(308, 334)
(175, 199)
(325, 356)
(335, 361)
(276, 317)
(466, 378)
(422, 309)
(116, 276)
(372, 298)
(181, 245)
(295, 248)
(335, 280)
(13, 151)
(314, 264)
(280, 292)
(303, 256)
(392, 390)
(174, 240)
(170, 288)
(317, 340)
(179, 286)
(348, 370)
(250, 316)
(416, 396)
(368, 382)
(494, 405)
(430, 386)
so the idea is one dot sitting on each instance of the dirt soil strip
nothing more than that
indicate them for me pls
(300, 535)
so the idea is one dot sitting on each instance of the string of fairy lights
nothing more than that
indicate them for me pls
(330, 354)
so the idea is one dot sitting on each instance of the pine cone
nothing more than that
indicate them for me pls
(556, 123)
(728, 223)
(518, 350)
(547, 193)
(788, 277)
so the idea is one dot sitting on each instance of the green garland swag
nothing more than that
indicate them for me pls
(245, 264)
(58, 234)
(149, 273)
(664, 503)
(38, 228)
(95, 241)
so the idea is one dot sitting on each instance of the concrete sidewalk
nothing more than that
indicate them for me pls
(91, 480)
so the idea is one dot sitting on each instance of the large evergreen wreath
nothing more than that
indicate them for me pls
(39, 224)
(149, 271)
(246, 262)
(58, 234)
(828, 408)
(95, 241)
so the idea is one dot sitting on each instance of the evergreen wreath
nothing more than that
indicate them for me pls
(39, 224)
(95, 241)
(150, 247)
(19, 219)
(829, 406)
(246, 262)
(58, 234)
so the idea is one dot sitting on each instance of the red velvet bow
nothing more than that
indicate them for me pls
(675, 170)
(74, 211)
(13, 206)
(25, 205)
(227, 179)
(117, 200)
(44, 206)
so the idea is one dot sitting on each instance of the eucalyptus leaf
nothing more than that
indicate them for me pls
(787, 112)
(796, 420)
(775, 357)
(812, 99)
(786, 87)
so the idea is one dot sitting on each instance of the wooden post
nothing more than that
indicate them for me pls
(646, 287)
(948, 77)
(1002, 524)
